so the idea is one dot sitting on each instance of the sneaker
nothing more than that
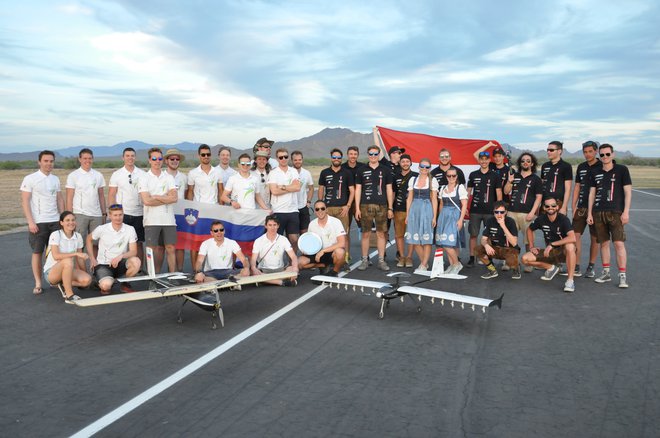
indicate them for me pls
(363, 265)
(550, 273)
(569, 286)
(382, 265)
(409, 262)
(528, 269)
(71, 299)
(332, 273)
(490, 274)
(470, 264)
(563, 271)
(455, 269)
(577, 272)
(325, 270)
(505, 267)
(590, 273)
(401, 263)
(604, 277)
(623, 284)
(516, 274)
(290, 283)
(422, 268)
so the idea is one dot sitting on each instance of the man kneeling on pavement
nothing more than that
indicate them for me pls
(117, 254)
(331, 231)
(499, 241)
(268, 254)
(215, 259)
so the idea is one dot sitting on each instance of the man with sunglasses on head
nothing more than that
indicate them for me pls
(123, 190)
(173, 158)
(337, 190)
(559, 240)
(241, 189)
(445, 164)
(581, 206)
(525, 191)
(216, 257)
(557, 176)
(610, 195)
(158, 193)
(284, 183)
(499, 241)
(374, 203)
(333, 235)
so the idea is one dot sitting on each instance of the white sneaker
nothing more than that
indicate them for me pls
(623, 284)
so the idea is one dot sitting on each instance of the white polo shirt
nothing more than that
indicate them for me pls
(157, 185)
(225, 173)
(181, 184)
(286, 203)
(270, 253)
(206, 184)
(333, 229)
(219, 257)
(113, 243)
(86, 186)
(127, 195)
(243, 190)
(305, 182)
(65, 245)
(43, 198)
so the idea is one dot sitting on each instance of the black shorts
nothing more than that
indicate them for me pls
(303, 218)
(39, 240)
(326, 259)
(289, 223)
(137, 223)
(105, 271)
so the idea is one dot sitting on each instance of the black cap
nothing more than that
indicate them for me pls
(396, 149)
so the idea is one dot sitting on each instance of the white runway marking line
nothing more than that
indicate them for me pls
(646, 193)
(184, 372)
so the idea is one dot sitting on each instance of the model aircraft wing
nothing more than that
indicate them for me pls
(347, 283)
(166, 275)
(452, 297)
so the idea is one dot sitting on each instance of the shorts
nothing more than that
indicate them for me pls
(345, 221)
(373, 213)
(289, 223)
(351, 217)
(137, 223)
(521, 223)
(580, 222)
(87, 224)
(159, 235)
(303, 218)
(476, 219)
(608, 226)
(556, 256)
(46, 277)
(508, 254)
(400, 224)
(107, 271)
(39, 240)
(221, 274)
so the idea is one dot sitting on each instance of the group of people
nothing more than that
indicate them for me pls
(427, 207)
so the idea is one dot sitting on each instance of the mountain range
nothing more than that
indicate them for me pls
(314, 146)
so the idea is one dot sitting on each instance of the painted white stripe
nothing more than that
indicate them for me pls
(646, 193)
(184, 372)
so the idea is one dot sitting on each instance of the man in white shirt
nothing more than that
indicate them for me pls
(173, 158)
(216, 257)
(42, 202)
(84, 194)
(268, 254)
(117, 256)
(241, 188)
(159, 195)
(306, 193)
(283, 183)
(204, 181)
(331, 231)
(123, 190)
(224, 167)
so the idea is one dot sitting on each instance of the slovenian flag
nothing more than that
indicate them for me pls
(193, 224)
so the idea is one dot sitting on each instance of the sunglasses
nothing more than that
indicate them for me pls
(262, 178)
(500, 212)
(374, 154)
(174, 159)
(283, 157)
(156, 158)
(336, 157)
(605, 154)
(550, 206)
(444, 156)
(424, 166)
(130, 179)
(484, 154)
(451, 176)
(244, 163)
(205, 154)
(319, 208)
(218, 230)
(551, 150)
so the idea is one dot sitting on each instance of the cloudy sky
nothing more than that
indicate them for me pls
(165, 71)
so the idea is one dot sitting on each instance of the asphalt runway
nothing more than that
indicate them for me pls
(547, 364)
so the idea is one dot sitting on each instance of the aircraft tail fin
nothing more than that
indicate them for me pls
(438, 264)
(497, 302)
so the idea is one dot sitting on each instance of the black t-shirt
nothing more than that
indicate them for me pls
(439, 175)
(609, 187)
(502, 172)
(554, 176)
(495, 233)
(353, 170)
(552, 231)
(400, 187)
(582, 177)
(374, 184)
(336, 186)
(524, 191)
(484, 193)
(395, 168)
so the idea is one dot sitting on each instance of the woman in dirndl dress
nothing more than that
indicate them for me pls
(422, 208)
(453, 206)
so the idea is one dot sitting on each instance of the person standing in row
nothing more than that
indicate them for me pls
(261, 169)
(283, 184)
(445, 164)
(173, 158)
(421, 212)
(352, 165)
(305, 194)
(224, 166)
(400, 186)
(241, 189)
(557, 176)
(453, 208)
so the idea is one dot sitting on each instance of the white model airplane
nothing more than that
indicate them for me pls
(438, 269)
(203, 295)
(400, 289)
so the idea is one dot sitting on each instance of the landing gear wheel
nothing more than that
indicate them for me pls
(381, 315)
(419, 309)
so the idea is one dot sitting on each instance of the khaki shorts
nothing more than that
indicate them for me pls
(580, 222)
(345, 221)
(400, 224)
(609, 226)
(373, 213)
(508, 254)
(521, 223)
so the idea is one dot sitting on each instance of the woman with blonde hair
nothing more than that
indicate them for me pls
(453, 207)
(422, 208)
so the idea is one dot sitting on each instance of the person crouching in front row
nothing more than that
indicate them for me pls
(217, 256)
